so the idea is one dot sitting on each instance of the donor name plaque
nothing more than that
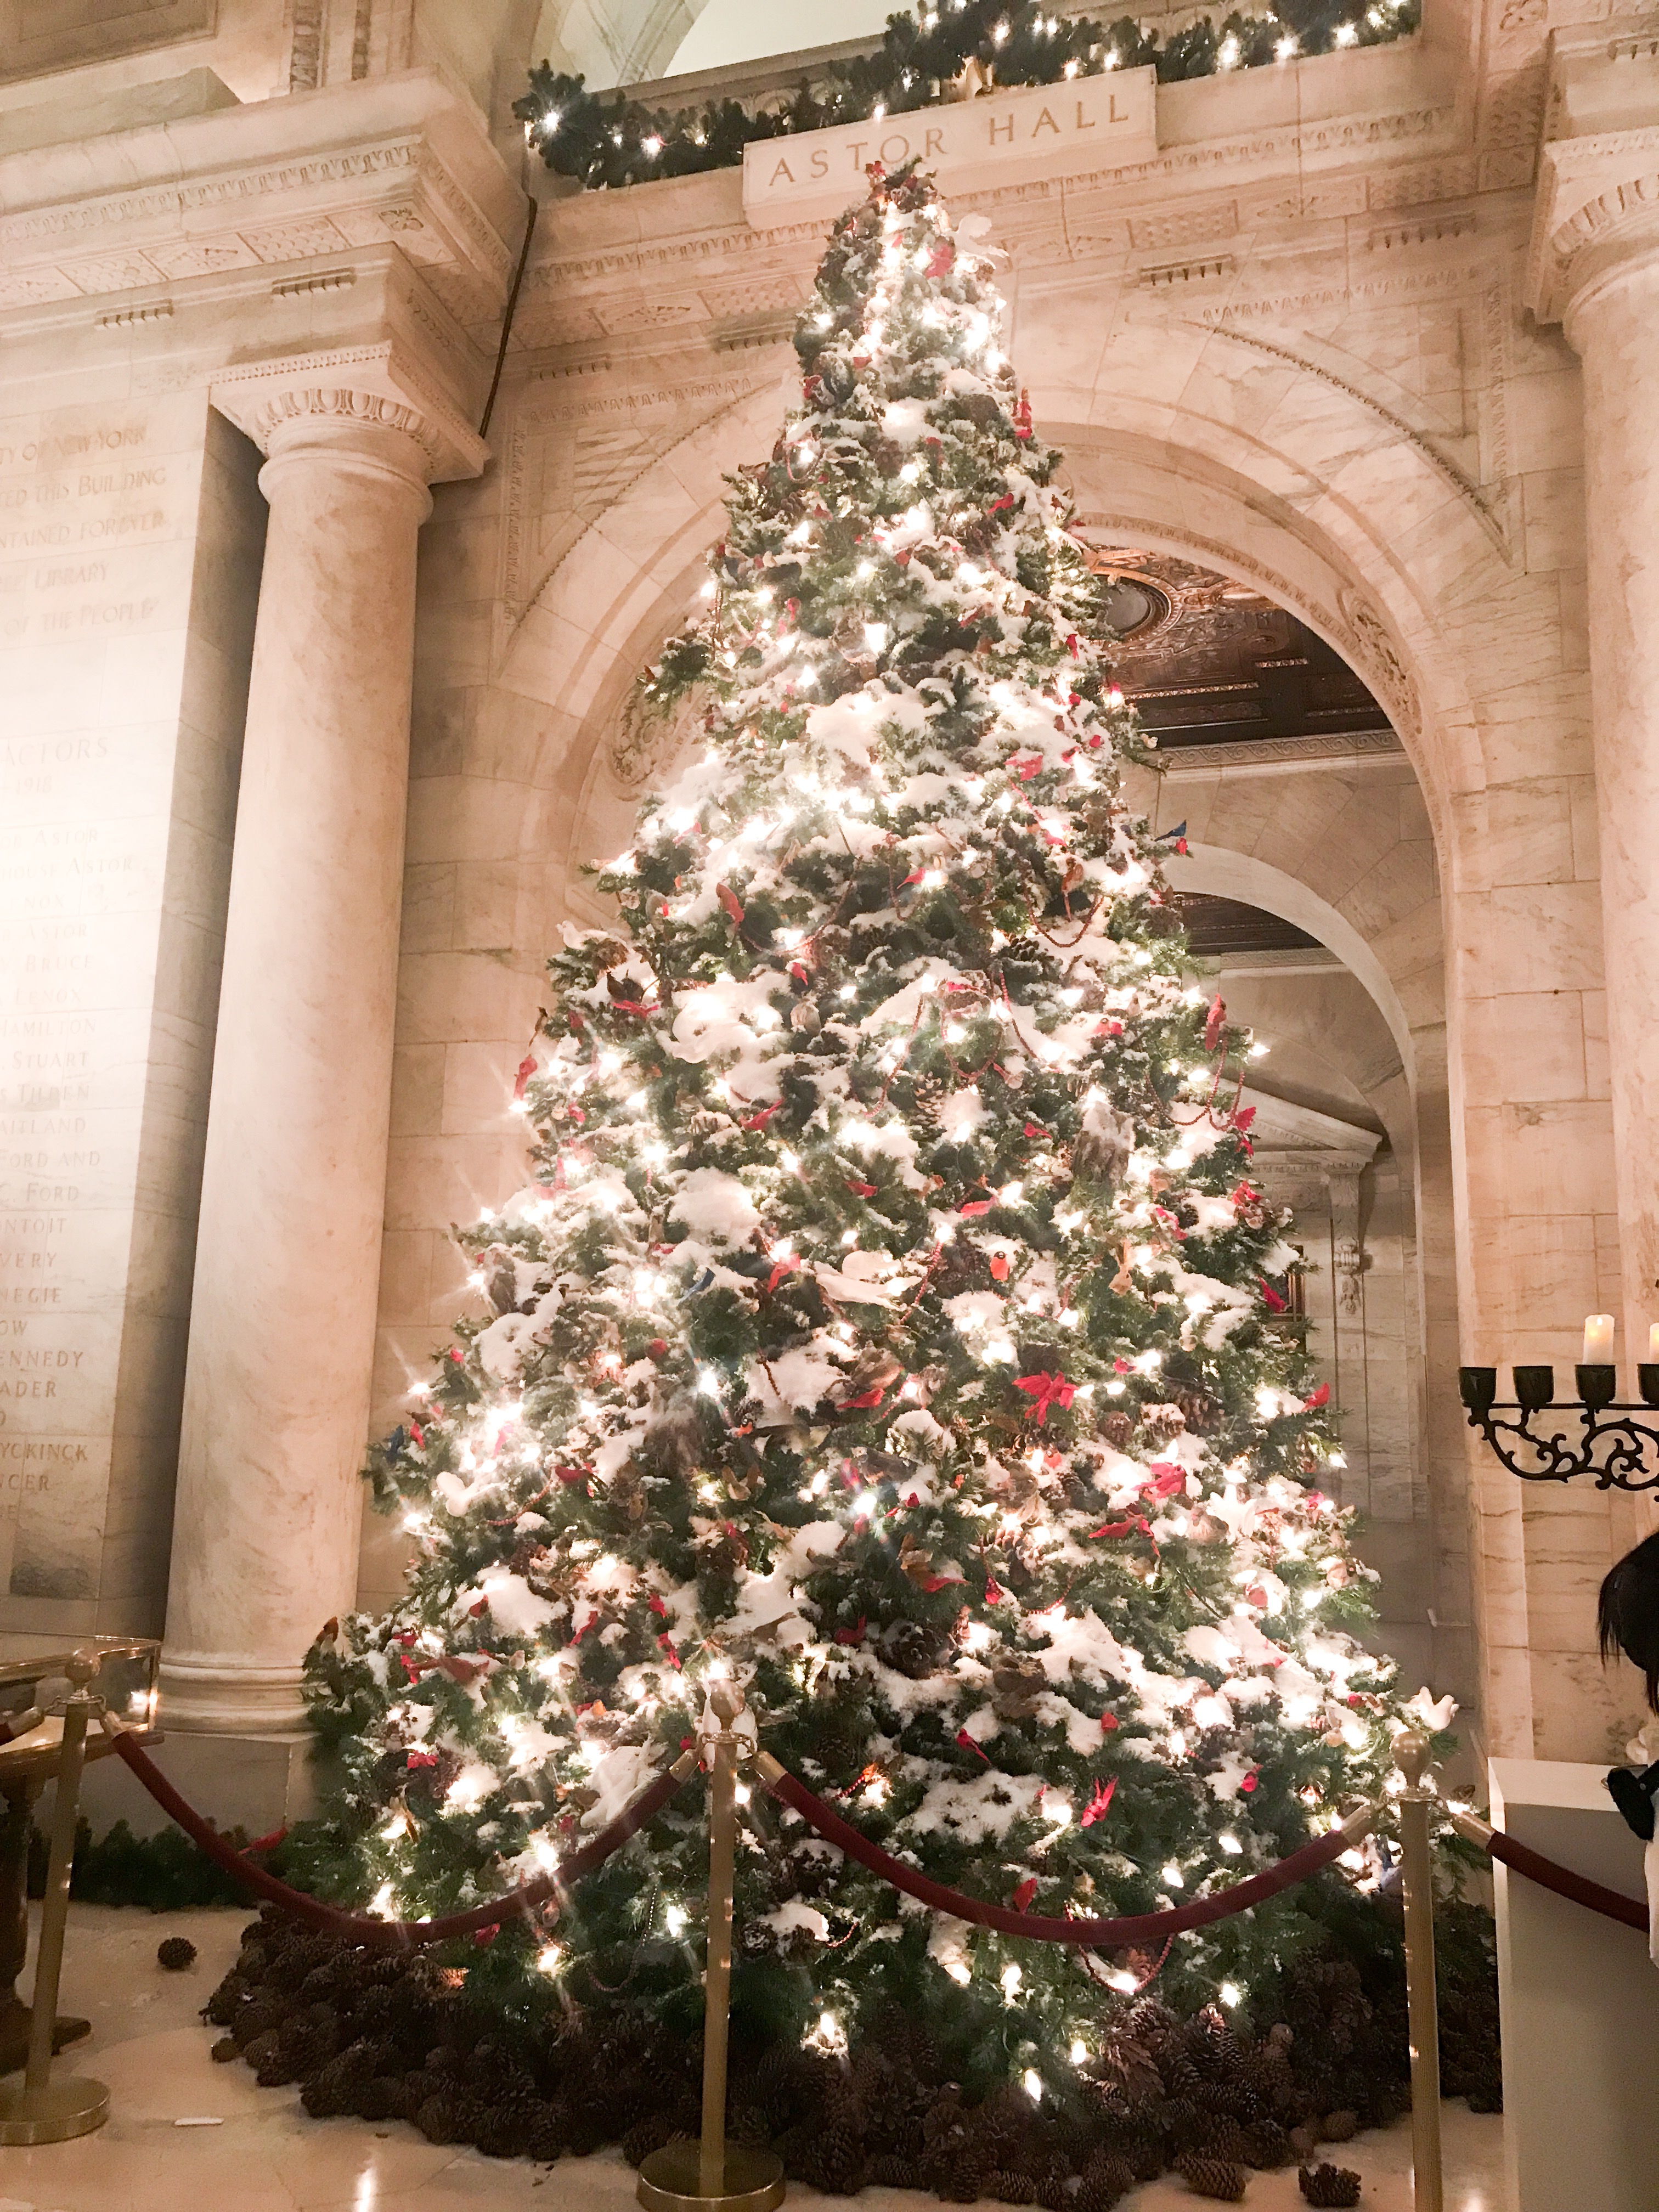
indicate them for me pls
(1003, 137)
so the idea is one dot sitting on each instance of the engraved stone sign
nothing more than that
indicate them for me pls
(1003, 137)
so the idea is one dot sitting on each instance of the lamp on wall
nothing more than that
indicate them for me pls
(1622, 1451)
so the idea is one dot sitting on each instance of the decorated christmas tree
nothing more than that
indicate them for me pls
(887, 1326)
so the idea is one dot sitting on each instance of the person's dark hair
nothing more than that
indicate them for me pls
(1627, 1614)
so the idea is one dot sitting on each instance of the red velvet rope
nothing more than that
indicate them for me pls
(1104, 1934)
(392, 1935)
(1610, 1903)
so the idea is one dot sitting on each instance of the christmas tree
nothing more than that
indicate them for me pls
(888, 1327)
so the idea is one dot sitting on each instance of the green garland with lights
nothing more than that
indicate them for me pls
(940, 53)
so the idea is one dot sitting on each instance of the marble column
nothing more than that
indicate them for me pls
(265, 1526)
(1612, 320)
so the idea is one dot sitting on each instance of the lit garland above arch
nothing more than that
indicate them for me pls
(938, 54)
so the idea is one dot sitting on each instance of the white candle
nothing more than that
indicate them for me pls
(1653, 1342)
(1598, 1340)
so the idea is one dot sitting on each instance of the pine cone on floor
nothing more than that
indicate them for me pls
(175, 1952)
(1105, 2180)
(547, 2135)
(1267, 2145)
(1330, 2184)
(378, 2099)
(1213, 2177)
(259, 2018)
(1146, 2156)
(503, 2127)
(645, 2137)
(954, 2174)
(1338, 2127)
(222, 2007)
(835, 2161)
(264, 2054)
(888, 2171)
(445, 2118)
(332, 2091)
(1002, 2186)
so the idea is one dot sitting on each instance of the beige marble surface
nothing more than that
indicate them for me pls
(265, 2155)
(1295, 345)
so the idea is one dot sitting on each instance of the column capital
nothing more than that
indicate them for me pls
(1596, 213)
(372, 391)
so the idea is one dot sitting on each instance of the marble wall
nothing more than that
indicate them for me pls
(129, 542)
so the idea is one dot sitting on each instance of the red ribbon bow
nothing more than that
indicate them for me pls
(1045, 1391)
(1097, 1805)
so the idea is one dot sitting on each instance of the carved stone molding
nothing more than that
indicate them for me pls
(197, 203)
(1379, 661)
(643, 745)
(377, 384)
(341, 403)
(1598, 187)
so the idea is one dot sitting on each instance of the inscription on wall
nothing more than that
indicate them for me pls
(97, 514)
(1003, 139)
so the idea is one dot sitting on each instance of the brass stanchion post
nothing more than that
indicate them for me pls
(39, 2110)
(1412, 1752)
(714, 2176)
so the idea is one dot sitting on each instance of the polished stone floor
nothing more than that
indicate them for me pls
(186, 2136)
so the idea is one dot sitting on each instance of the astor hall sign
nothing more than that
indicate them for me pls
(1002, 138)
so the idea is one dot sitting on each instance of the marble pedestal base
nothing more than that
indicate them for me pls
(253, 1782)
(1579, 2000)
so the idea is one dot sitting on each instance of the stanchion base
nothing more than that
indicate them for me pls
(670, 2180)
(72, 2104)
(14, 2018)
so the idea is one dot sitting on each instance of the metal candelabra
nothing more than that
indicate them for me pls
(1609, 1442)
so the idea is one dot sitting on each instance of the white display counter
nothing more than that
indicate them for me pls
(1580, 2003)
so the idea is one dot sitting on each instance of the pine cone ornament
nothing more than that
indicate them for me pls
(1023, 949)
(175, 1952)
(1330, 2184)
(1213, 2177)
(1160, 1422)
(927, 1095)
(1202, 1412)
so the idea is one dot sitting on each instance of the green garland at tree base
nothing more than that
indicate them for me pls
(162, 1873)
